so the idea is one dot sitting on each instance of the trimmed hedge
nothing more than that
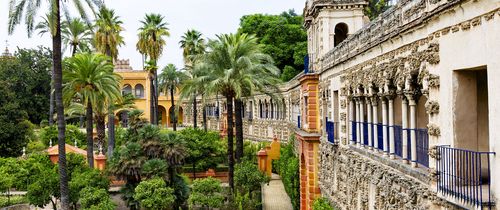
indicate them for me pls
(288, 168)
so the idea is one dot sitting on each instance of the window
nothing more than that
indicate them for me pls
(127, 89)
(139, 91)
(341, 31)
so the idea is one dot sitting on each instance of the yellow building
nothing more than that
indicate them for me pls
(137, 83)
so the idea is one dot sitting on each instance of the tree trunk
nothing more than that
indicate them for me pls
(205, 119)
(238, 119)
(173, 109)
(51, 102)
(61, 124)
(230, 149)
(195, 112)
(111, 132)
(111, 118)
(156, 97)
(74, 50)
(90, 136)
(101, 130)
(151, 100)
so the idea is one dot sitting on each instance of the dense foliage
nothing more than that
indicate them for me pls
(376, 7)
(73, 134)
(283, 37)
(154, 194)
(96, 199)
(27, 75)
(321, 204)
(248, 178)
(206, 149)
(288, 168)
(206, 193)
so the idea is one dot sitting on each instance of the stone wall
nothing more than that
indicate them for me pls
(351, 180)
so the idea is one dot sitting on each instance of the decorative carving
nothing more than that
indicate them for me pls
(343, 129)
(432, 107)
(343, 116)
(343, 104)
(433, 81)
(433, 153)
(465, 25)
(434, 130)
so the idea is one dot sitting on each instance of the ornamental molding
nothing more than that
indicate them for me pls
(432, 107)
(434, 130)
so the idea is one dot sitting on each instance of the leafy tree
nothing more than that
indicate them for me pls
(29, 9)
(206, 193)
(321, 204)
(154, 167)
(283, 37)
(171, 79)
(154, 194)
(73, 133)
(151, 42)
(205, 149)
(13, 125)
(45, 188)
(96, 199)
(94, 72)
(6, 183)
(87, 178)
(376, 7)
(248, 178)
(288, 169)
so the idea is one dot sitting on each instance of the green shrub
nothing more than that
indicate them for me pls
(96, 199)
(72, 133)
(14, 200)
(206, 193)
(154, 194)
(248, 178)
(44, 123)
(321, 204)
(288, 168)
(206, 149)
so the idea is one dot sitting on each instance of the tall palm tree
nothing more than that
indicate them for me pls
(76, 35)
(193, 45)
(233, 67)
(151, 42)
(28, 9)
(91, 78)
(107, 39)
(171, 79)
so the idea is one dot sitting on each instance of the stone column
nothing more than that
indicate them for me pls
(384, 126)
(357, 123)
(392, 145)
(413, 125)
(369, 121)
(361, 121)
(351, 119)
(404, 110)
(375, 121)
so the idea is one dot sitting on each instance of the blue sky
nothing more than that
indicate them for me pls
(211, 17)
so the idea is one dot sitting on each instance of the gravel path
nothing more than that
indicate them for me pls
(274, 196)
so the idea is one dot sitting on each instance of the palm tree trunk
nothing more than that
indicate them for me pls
(238, 119)
(156, 97)
(101, 129)
(205, 119)
(74, 50)
(173, 108)
(195, 112)
(111, 118)
(90, 135)
(152, 98)
(61, 124)
(230, 134)
(52, 101)
(111, 132)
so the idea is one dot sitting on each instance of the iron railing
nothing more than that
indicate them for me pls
(365, 133)
(464, 175)
(380, 136)
(330, 131)
(422, 146)
(398, 140)
(354, 130)
(298, 121)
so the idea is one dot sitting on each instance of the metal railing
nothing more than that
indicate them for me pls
(298, 121)
(365, 133)
(354, 133)
(422, 146)
(465, 175)
(398, 140)
(380, 136)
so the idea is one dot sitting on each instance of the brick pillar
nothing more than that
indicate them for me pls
(309, 138)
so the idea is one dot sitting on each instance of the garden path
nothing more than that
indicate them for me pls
(274, 196)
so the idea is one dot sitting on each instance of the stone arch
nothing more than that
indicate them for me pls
(139, 91)
(341, 31)
(162, 115)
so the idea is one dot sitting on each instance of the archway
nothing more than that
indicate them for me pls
(341, 31)
(162, 115)
(139, 91)
(180, 116)
(127, 89)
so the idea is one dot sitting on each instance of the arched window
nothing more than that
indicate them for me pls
(127, 89)
(260, 110)
(341, 31)
(139, 91)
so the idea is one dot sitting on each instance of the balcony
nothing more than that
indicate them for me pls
(331, 131)
(465, 175)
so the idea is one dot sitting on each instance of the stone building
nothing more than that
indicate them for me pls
(396, 113)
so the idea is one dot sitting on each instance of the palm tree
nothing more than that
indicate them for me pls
(107, 39)
(76, 34)
(193, 45)
(91, 77)
(151, 42)
(171, 79)
(234, 67)
(29, 9)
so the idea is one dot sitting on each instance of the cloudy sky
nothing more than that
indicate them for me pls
(211, 17)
